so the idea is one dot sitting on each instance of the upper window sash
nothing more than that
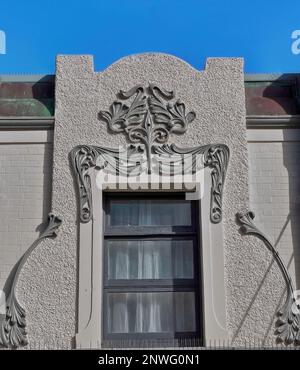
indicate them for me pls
(144, 229)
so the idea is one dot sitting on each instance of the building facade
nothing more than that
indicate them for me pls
(128, 199)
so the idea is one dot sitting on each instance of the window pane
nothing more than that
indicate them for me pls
(151, 312)
(185, 311)
(150, 259)
(150, 213)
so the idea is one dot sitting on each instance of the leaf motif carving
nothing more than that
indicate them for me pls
(13, 325)
(148, 119)
(85, 157)
(215, 156)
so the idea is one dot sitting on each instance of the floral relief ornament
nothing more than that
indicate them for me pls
(147, 119)
(150, 118)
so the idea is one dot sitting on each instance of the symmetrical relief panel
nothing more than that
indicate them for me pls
(148, 122)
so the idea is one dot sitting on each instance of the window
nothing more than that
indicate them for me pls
(151, 268)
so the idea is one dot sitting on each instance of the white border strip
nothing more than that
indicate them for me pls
(273, 135)
(28, 136)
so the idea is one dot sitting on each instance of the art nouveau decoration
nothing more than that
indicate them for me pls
(148, 123)
(148, 119)
(288, 323)
(13, 325)
(84, 157)
(130, 163)
(214, 156)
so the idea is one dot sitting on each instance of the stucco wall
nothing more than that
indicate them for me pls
(48, 282)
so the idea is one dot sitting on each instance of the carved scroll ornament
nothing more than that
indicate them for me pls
(288, 323)
(130, 162)
(13, 325)
(147, 121)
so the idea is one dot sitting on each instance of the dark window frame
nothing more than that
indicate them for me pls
(154, 285)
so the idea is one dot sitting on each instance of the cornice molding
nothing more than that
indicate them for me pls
(273, 122)
(30, 78)
(30, 123)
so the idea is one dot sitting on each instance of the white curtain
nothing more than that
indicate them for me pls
(151, 312)
(148, 313)
(150, 259)
(122, 264)
(118, 313)
(150, 213)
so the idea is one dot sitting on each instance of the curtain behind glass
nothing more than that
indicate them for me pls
(150, 213)
(151, 312)
(150, 259)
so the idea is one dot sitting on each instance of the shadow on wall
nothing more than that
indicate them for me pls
(284, 95)
(47, 181)
(291, 160)
(279, 97)
(43, 91)
(46, 208)
(77, 199)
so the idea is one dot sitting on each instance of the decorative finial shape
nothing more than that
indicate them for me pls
(150, 118)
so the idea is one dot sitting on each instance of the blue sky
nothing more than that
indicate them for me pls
(260, 31)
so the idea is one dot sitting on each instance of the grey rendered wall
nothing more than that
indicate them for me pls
(48, 283)
(275, 196)
(25, 188)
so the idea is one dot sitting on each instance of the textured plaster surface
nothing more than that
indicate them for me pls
(47, 286)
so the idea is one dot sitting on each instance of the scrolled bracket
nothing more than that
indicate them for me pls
(214, 156)
(13, 326)
(288, 323)
(85, 157)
